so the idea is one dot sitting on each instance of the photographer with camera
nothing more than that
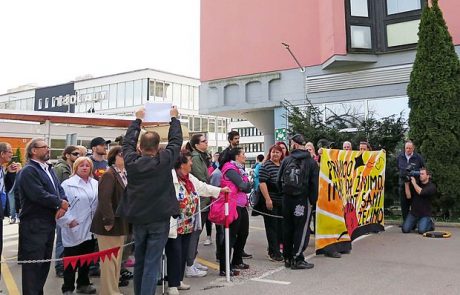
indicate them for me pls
(409, 164)
(420, 212)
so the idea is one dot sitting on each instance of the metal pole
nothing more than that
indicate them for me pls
(227, 240)
(163, 271)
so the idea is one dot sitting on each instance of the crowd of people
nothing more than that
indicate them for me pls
(105, 200)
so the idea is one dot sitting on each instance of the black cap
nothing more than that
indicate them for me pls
(298, 138)
(97, 141)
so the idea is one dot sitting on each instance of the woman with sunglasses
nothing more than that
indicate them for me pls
(198, 146)
(110, 229)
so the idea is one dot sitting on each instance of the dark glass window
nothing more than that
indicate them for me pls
(376, 26)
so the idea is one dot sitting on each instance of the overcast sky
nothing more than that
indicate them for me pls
(49, 42)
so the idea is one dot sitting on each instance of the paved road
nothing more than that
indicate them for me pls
(385, 263)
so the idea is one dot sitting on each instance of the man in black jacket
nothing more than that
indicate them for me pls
(407, 159)
(43, 201)
(150, 198)
(299, 168)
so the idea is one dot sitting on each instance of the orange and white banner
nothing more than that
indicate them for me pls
(350, 197)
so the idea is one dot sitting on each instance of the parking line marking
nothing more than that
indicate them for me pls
(9, 280)
(208, 263)
(271, 281)
(256, 228)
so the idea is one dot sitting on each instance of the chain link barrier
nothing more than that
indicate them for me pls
(14, 260)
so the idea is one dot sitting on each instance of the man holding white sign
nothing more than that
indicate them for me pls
(150, 198)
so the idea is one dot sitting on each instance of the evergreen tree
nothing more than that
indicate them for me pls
(434, 101)
(18, 155)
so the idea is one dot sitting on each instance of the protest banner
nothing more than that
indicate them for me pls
(350, 198)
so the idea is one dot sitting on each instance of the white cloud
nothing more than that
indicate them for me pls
(53, 41)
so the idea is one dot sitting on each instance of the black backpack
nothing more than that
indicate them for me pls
(295, 178)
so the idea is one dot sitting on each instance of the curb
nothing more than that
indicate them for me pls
(437, 223)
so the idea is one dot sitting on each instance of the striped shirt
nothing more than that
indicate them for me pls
(268, 174)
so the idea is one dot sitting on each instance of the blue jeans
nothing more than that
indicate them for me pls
(424, 224)
(150, 240)
(59, 250)
(13, 213)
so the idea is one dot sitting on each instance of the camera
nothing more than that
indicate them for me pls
(410, 171)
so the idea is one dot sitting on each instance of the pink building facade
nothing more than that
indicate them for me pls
(352, 53)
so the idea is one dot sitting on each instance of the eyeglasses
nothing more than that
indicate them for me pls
(75, 154)
(204, 140)
(42, 147)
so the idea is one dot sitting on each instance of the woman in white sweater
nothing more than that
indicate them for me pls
(188, 192)
(81, 192)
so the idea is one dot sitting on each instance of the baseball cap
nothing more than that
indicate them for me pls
(98, 140)
(298, 138)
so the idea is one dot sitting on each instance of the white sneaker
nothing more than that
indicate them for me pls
(208, 241)
(193, 272)
(183, 286)
(200, 266)
(172, 291)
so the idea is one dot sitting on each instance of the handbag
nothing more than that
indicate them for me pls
(217, 210)
(257, 202)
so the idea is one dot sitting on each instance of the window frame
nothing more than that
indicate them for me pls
(378, 21)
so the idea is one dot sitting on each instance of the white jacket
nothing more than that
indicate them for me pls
(82, 208)
(203, 190)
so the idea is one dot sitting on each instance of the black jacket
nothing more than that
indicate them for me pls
(416, 160)
(311, 173)
(40, 198)
(150, 194)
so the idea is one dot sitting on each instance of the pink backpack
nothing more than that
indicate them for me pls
(217, 210)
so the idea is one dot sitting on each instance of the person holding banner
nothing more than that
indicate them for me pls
(347, 146)
(298, 180)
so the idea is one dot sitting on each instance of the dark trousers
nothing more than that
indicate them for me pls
(194, 240)
(239, 231)
(296, 232)
(208, 228)
(36, 239)
(274, 229)
(176, 252)
(69, 273)
(219, 239)
(405, 203)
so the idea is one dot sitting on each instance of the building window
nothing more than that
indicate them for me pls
(400, 6)
(361, 37)
(47, 101)
(359, 8)
(40, 101)
(377, 26)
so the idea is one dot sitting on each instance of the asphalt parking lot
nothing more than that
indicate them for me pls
(386, 263)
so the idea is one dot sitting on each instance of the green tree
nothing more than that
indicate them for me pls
(434, 101)
(18, 155)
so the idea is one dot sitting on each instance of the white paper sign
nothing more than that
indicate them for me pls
(157, 112)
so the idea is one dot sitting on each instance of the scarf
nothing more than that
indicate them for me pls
(189, 187)
(240, 167)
